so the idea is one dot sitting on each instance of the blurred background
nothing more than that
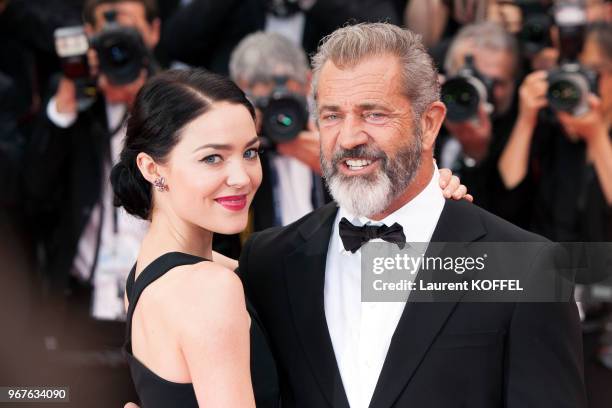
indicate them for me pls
(527, 83)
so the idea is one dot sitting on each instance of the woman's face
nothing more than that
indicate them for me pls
(214, 170)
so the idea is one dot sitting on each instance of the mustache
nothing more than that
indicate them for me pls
(362, 152)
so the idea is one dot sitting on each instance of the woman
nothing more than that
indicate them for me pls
(190, 165)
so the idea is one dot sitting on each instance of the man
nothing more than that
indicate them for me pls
(87, 246)
(265, 64)
(471, 147)
(379, 112)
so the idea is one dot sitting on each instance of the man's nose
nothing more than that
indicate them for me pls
(352, 133)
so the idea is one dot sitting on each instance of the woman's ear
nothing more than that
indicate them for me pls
(147, 166)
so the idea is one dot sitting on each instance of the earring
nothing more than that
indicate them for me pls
(160, 184)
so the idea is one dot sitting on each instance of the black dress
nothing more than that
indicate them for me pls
(155, 391)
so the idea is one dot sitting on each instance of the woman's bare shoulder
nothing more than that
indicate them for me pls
(204, 293)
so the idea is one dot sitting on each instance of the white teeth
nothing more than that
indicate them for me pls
(357, 164)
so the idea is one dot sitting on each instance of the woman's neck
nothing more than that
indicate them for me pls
(171, 234)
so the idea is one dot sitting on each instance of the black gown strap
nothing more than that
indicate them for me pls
(152, 272)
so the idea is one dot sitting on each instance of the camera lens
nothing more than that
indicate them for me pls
(119, 54)
(283, 119)
(461, 98)
(564, 95)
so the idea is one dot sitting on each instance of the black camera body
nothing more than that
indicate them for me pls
(535, 30)
(284, 114)
(121, 51)
(570, 84)
(463, 93)
(569, 87)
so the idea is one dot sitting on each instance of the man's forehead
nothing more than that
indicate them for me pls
(365, 80)
(131, 9)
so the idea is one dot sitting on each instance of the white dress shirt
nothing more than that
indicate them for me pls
(361, 332)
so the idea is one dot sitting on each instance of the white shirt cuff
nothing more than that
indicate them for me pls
(62, 120)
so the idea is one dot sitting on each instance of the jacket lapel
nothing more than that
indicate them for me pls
(305, 275)
(422, 321)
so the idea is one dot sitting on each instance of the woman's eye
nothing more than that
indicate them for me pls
(252, 153)
(212, 159)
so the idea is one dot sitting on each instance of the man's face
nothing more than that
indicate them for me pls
(370, 146)
(129, 14)
(498, 66)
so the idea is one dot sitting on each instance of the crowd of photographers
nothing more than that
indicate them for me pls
(527, 84)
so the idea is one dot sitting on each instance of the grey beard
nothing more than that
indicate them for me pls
(365, 196)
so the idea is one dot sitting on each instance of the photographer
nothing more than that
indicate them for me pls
(275, 75)
(203, 33)
(86, 245)
(572, 153)
(481, 66)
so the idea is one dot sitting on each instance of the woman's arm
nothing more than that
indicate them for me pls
(214, 339)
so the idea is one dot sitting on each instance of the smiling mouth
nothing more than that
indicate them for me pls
(358, 164)
(233, 203)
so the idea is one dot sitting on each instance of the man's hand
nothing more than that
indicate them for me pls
(532, 95)
(306, 148)
(474, 136)
(65, 97)
(452, 188)
(587, 126)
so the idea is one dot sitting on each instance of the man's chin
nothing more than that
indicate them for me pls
(360, 197)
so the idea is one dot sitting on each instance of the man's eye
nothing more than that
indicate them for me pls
(252, 154)
(330, 116)
(375, 116)
(212, 159)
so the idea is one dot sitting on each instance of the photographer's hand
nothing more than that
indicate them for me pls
(532, 94)
(514, 160)
(594, 130)
(306, 148)
(65, 97)
(587, 126)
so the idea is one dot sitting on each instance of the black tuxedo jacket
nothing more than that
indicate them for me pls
(446, 354)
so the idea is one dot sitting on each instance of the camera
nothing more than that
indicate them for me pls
(570, 84)
(535, 30)
(71, 45)
(463, 93)
(121, 51)
(284, 114)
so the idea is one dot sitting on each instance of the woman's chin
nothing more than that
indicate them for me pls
(230, 227)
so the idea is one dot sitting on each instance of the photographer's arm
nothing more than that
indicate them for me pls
(514, 160)
(594, 130)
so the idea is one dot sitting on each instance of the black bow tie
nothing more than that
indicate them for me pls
(354, 237)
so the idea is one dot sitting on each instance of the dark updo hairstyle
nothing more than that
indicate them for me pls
(163, 107)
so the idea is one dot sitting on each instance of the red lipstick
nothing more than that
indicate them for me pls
(233, 203)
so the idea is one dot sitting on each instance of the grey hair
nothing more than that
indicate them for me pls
(260, 57)
(487, 36)
(347, 46)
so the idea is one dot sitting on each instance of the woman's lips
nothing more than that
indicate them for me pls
(233, 203)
